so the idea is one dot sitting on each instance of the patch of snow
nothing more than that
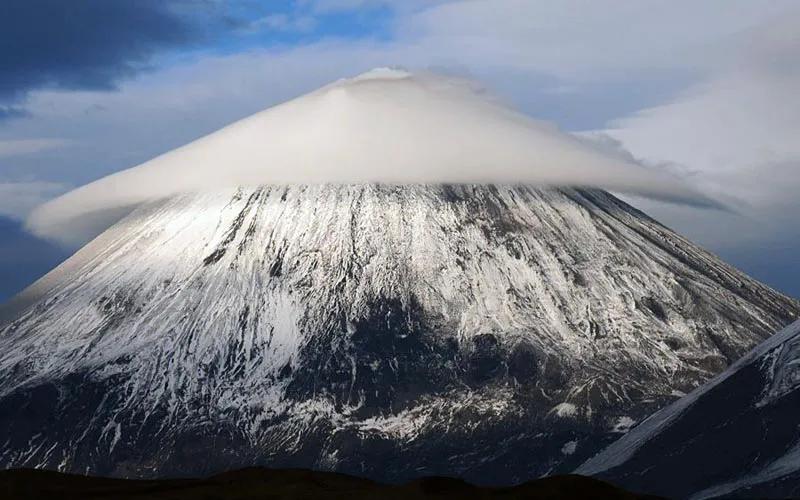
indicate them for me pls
(565, 410)
(623, 425)
(569, 447)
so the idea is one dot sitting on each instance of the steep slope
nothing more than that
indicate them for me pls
(738, 435)
(496, 333)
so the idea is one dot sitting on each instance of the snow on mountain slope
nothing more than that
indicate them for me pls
(492, 332)
(737, 436)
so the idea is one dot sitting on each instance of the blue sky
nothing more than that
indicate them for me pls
(706, 90)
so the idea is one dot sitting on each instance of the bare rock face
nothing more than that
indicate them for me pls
(495, 333)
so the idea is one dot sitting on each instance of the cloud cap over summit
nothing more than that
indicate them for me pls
(384, 126)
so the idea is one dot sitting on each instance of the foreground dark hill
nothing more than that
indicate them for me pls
(494, 333)
(738, 436)
(292, 484)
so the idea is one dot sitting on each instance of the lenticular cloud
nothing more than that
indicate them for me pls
(385, 126)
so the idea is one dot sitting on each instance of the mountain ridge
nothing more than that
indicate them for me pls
(740, 425)
(386, 331)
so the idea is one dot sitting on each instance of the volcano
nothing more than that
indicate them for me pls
(377, 326)
(495, 333)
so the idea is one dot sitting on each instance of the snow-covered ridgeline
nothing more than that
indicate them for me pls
(736, 436)
(779, 351)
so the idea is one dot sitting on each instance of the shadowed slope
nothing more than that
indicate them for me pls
(737, 436)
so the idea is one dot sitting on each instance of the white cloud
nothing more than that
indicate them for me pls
(587, 38)
(17, 199)
(737, 136)
(386, 126)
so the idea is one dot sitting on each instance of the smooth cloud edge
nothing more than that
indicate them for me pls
(354, 99)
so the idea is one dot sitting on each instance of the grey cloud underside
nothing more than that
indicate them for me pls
(90, 44)
(492, 332)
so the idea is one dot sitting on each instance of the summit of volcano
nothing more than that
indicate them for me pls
(381, 327)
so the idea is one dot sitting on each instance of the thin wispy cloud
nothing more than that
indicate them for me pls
(17, 199)
(16, 147)
(283, 22)
(736, 132)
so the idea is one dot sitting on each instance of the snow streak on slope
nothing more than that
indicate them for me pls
(489, 332)
(742, 426)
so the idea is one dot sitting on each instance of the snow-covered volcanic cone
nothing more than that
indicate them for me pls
(494, 332)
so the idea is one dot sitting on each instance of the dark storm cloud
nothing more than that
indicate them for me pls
(84, 44)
